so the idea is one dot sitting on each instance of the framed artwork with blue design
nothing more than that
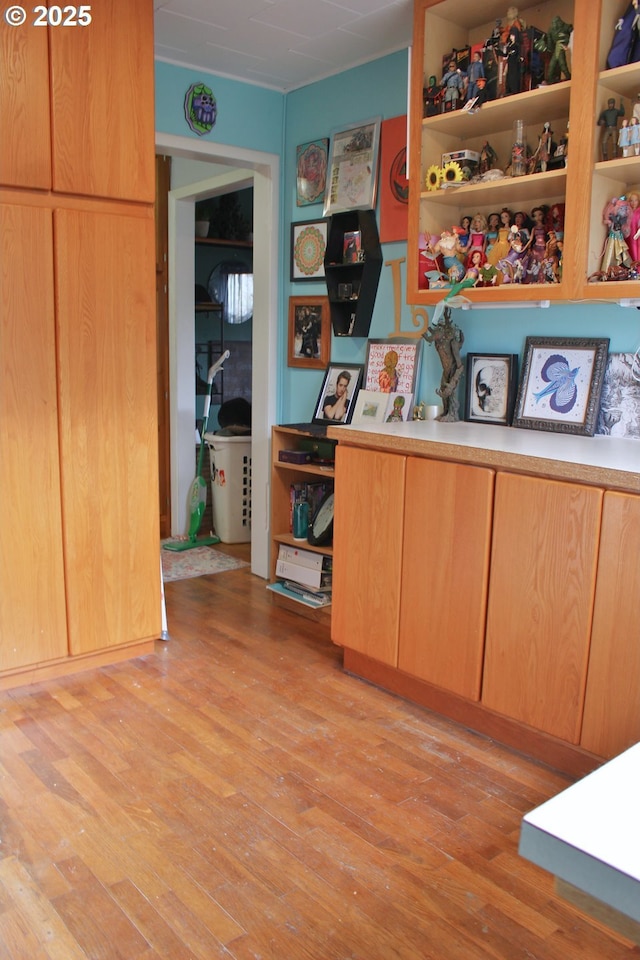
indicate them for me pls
(561, 384)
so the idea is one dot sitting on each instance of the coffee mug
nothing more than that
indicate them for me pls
(300, 520)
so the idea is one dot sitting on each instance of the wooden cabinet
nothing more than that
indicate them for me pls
(283, 475)
(413, 549)
(80, 570)
(33, 624)
(582, 186)
(368, 535)
(543, 564)
(447, 535)
(612, 704)
(25, 152)
(352, 265)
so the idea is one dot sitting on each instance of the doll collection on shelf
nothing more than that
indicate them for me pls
(526, 246)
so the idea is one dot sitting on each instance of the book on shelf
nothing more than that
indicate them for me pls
(322, 593)
(308, 599)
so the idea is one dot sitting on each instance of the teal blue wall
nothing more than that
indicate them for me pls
(259, 119)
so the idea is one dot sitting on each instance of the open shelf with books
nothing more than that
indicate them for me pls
(291, 585)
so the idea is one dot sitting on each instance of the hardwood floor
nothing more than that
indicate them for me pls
(236, 795)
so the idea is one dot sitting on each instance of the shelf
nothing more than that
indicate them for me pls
(208, 307)
(287, 538)
(310, 468)
(623, 81)
(218, 242)
(550, 185)
(545, 103)
(623, 169)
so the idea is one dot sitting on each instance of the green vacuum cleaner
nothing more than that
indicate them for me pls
(198, 495)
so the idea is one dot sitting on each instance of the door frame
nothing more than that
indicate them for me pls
(247, 168)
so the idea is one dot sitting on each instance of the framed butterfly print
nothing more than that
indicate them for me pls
(561, 383)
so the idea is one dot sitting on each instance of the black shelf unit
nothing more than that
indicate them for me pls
(352, 287)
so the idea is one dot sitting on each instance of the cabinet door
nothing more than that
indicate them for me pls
(32, 604)
(543, 565)
(612, 704)
(102, 103)
(447, 534)
(109, 446)
(367, 558)
(25, 146)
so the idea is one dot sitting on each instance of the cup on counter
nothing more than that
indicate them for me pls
(300, 520)
(432, 411)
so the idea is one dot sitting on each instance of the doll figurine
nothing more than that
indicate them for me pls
(634, 137)
(501, 247)
(488, 157)
(493, 225)
(540, 159)
(615, 252)
(477, 237)
(624, 138)
(464, 232)
(632, 234)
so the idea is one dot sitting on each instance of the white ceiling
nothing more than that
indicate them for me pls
(281, 44)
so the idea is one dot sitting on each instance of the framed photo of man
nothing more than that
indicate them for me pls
(336, 400)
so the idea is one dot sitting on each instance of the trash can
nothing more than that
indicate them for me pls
(230, 459)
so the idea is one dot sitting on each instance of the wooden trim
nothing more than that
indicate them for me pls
(541, 746)
(69, 665)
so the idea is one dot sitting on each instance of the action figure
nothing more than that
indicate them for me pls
(448, 338)
(488, 157)
(540, 159)
(475, 74)
(608, 121)
(452, 86)
(431, 96)
(556, 42)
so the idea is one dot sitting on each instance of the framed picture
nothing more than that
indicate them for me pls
(309, 332)
(492, 382)
(311, 167)
(561, 383)
(353, 168)
(336, 400)
(375, 407)
(308, 246)
(619, 414)
(392, 366)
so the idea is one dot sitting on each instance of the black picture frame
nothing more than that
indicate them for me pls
(329, 387)
(491, 387)
(561, 383)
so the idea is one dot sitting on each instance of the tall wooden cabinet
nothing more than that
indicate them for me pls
(79, 556)
(584, 185)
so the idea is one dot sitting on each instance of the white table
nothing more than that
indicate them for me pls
(589, 838)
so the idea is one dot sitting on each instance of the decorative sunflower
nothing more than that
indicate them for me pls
(434, 175)
(452, 172)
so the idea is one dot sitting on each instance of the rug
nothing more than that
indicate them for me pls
(197, 562)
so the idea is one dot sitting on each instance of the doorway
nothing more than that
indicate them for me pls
(240, 169)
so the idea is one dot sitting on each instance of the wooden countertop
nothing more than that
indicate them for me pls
(609, 462)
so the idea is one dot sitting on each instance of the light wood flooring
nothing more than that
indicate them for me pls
(236, 795)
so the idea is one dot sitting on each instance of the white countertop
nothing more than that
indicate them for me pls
(609, 460)
(589, 835)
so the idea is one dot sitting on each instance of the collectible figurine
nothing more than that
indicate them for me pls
(539, 235)
(615, 252)
(523, 224)
(608, 121)
(493, 225)
(488, 157)
(634, 137)
(624, 138)
(448, 247)
(448, 338)
(501, 248)
(464, 233)
(515, 265)
(511, 54)
(554, 220)
(452, 85)
(477, 237)
(431, 96)
(556, 42)
(633, 226)
(538, 162)
(475, 74)
(625, 46)
(636, 108)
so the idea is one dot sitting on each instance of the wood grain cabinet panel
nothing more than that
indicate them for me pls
(543, 566)
(447, 536)
(109, 447)
(102, 103)
(367, 543)
(33, 624)
(612, 703)
(25, 143)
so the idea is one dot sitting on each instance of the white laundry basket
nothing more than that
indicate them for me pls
(230, 459)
